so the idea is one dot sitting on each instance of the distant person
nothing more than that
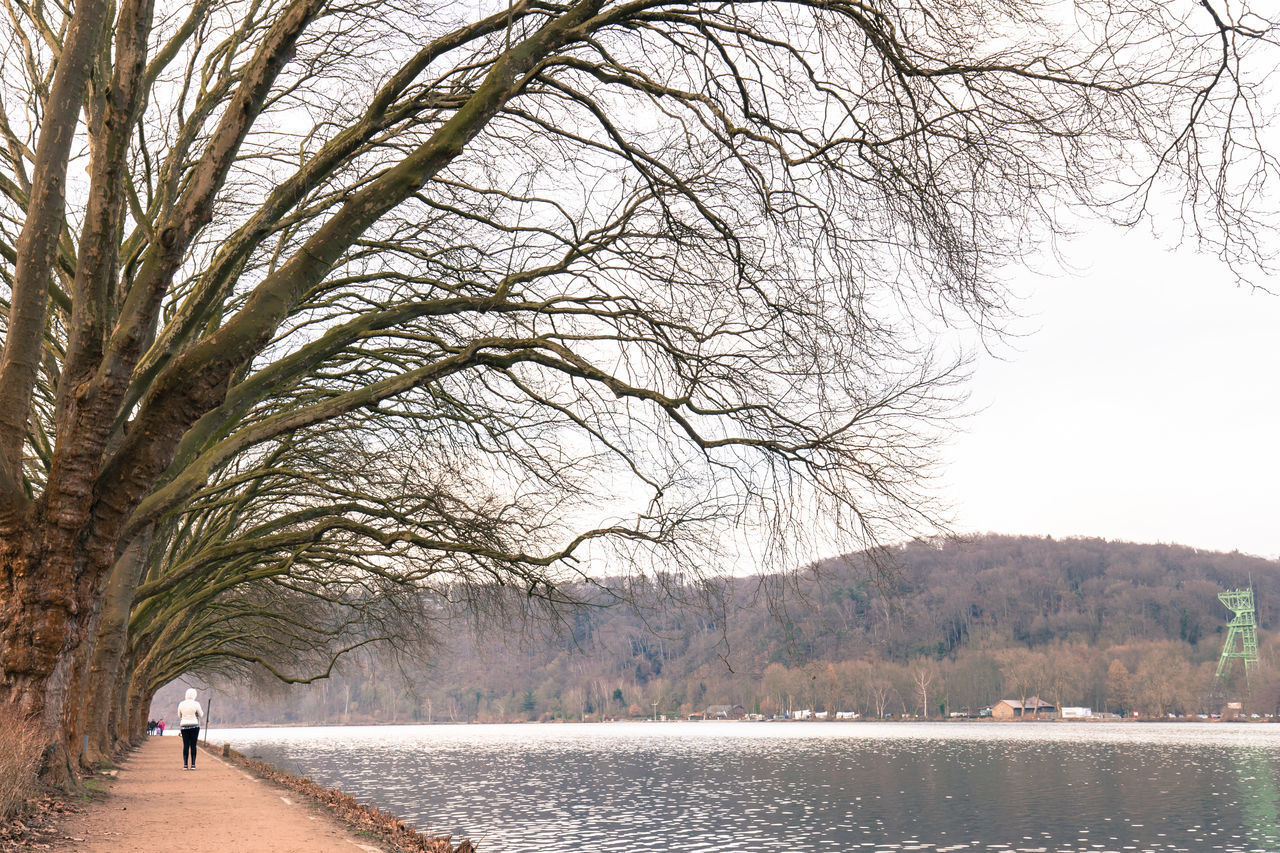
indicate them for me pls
(189, 714)
(160, 727)
(151, 727)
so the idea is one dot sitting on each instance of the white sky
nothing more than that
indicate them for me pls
(1141, 403)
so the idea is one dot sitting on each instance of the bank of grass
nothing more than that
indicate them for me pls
(363, 819)
(19, 761)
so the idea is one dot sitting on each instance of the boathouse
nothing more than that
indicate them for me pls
(1014, 709)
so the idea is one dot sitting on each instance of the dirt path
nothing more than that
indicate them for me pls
(155, 805)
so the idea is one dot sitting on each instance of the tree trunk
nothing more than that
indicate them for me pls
(99, 700)
(45, 620)
(50, 602)
(121, 722)
(139, 702)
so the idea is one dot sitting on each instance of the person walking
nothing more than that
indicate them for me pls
(189, 714)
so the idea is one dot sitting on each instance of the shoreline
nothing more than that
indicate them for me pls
(360, 817)
(951, 720)
(57, 820)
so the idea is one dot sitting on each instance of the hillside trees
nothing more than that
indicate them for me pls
(630, 273)
(486, 675)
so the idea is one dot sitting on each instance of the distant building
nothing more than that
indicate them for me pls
(1014, 709)
(724, 712)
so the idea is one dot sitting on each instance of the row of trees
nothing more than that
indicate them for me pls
(1146, 680)
(314, 307)
(846, 643)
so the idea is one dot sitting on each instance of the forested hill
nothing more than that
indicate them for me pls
(1007, 590)
(955, 623)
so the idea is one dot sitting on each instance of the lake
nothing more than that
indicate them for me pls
(802, 787)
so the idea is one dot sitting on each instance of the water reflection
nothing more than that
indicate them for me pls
(807, 787)
(1256, 790)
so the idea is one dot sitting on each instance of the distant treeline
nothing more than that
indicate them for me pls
(928, 629)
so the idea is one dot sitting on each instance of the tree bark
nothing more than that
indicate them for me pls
(37, 245)
(100, 697)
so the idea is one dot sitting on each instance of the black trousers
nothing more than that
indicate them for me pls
(190, 734)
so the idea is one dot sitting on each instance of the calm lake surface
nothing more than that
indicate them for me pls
(801, 787)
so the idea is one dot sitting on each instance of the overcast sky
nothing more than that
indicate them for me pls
(1141, 403)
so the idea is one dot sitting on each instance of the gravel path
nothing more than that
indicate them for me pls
(155, 805)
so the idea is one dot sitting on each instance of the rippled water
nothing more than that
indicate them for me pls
(802, 787)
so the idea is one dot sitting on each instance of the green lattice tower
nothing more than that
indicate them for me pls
(1243, 628)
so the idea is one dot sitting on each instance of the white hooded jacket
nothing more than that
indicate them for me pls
(189, 710)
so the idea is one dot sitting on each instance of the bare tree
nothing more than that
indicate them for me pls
(637, 271)
(923, 673)
(1163, 681)
(1065, 674)
(1025, 673)
(879, 691)
(283, 565)
(1119, 687)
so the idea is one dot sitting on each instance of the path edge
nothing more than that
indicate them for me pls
(360, 817)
